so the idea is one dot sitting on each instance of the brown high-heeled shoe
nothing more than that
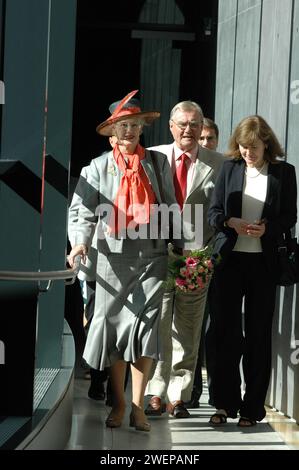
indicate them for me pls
(115, 418)
(139, 423)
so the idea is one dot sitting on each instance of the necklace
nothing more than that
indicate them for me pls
(258, 171)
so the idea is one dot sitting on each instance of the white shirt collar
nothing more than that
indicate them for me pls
(191, 154)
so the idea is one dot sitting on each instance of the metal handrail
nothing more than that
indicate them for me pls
(42, 275)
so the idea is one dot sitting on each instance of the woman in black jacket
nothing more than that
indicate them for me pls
(254, 203)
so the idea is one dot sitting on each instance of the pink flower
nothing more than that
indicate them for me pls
(192, 262)
(180, 282)
(209, 264)
(193, 272)
(191, 286)
(200, 282)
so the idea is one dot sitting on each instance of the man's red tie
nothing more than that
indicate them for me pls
(180, 181)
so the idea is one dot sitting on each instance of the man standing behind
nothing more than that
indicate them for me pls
(182, 313)
(208, 139)
(209, 134)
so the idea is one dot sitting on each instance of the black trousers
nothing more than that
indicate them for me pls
(245, 276)
(97, 376)
(205, 357)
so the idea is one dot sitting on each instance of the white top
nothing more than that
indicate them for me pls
(253, 199)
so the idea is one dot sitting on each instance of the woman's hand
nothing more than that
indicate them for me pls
(77, 250)
(239, 225)
(256, 230)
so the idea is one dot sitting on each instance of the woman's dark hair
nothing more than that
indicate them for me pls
(248, 131)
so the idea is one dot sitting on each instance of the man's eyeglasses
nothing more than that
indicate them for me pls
(191, 124)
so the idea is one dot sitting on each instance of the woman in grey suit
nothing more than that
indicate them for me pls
(253, 204)
(123, 190)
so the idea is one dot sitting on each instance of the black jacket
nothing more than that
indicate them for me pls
(280, 208)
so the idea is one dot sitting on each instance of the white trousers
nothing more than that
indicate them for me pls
(180, 331)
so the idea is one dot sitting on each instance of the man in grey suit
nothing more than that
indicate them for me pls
(182, 313)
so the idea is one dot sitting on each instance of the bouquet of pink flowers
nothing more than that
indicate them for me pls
(192, 272)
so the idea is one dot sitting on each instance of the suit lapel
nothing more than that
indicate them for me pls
(272, 188)
(113, 167)
(236, 189)
(148, 167)
(201, 170)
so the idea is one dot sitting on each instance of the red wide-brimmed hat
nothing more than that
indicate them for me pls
(126, 108)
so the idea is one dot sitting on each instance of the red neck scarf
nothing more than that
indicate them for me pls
(135, 196)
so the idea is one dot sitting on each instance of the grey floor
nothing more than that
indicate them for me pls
(90, 433)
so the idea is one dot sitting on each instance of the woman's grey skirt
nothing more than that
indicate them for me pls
(129, 291)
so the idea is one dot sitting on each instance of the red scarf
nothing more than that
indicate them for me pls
(135, 195)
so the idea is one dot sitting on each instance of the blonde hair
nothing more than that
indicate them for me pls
(248, 131)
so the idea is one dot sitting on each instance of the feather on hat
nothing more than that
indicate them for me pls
(124, 109)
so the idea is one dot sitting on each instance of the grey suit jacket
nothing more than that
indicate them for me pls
(100, 191)
(88, 270)
(197, 231)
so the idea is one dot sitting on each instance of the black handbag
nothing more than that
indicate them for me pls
(288, 260)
